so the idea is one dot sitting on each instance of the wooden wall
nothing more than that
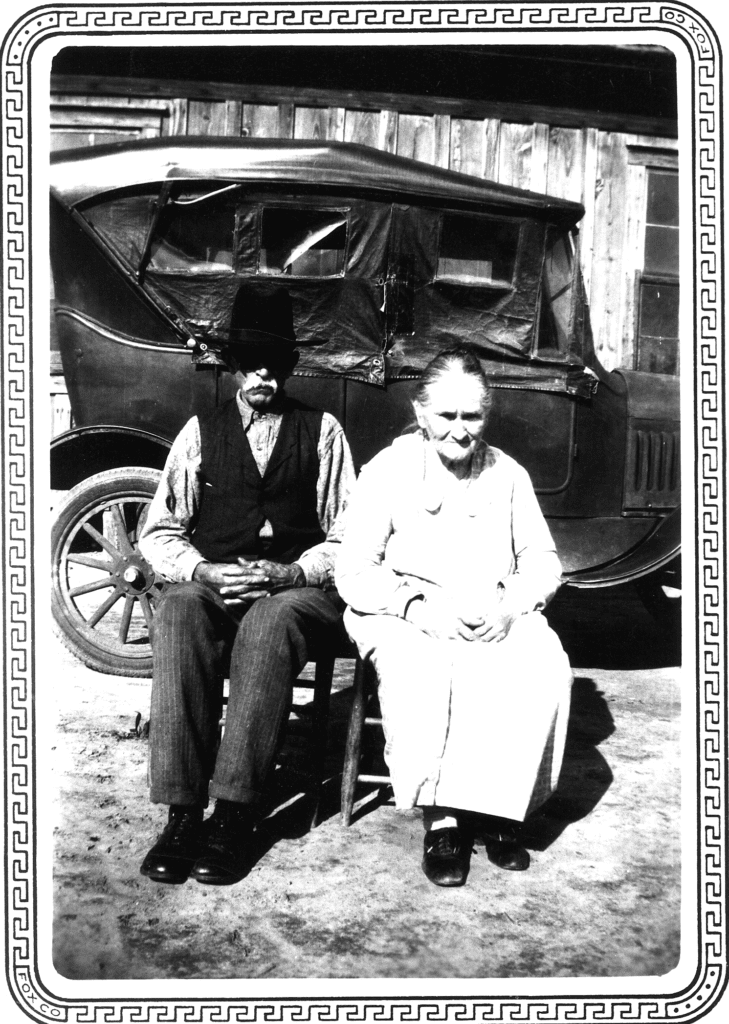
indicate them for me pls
(603, 169)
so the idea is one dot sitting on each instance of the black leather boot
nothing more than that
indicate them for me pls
(224, 857)
(173, 855)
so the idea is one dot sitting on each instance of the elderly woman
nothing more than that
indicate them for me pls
(446, 565)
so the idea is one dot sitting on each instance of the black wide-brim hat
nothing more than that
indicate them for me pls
(262, 322)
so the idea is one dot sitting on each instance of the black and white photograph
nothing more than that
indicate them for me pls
(360, 661)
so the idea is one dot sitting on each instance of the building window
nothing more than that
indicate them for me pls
(658, 288)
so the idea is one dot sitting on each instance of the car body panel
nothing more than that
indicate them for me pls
(387, 261)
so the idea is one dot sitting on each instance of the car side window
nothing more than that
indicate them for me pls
(555, 316)
(477, 251)
(302, 243)
(196, 234)
(192, 232)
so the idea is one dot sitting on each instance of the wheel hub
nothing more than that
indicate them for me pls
(133, 574)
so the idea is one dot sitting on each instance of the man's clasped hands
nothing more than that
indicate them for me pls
(244, 581)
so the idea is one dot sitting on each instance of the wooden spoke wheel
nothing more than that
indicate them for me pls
(104, 591)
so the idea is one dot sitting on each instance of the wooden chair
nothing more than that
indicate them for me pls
(324, 661)
(364, 694)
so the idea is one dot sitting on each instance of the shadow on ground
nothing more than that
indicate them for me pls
(611, 628)
(585, 775)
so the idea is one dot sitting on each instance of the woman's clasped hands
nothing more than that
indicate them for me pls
(440, 617)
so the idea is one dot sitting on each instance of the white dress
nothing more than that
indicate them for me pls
(473, 725)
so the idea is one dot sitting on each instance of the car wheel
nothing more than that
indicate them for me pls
(103, 590)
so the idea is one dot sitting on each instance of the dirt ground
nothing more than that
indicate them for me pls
(601, 897)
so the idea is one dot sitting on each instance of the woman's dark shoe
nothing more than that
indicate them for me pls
(501, 838)
(224, 858)
(447, 856)
(173, 855)
(511, 856)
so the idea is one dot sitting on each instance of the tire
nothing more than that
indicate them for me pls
(103, 591)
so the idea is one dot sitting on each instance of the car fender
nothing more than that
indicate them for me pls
(660, 547)
(81, 452)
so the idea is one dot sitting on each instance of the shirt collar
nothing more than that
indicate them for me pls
(247, 414)
(433, 479)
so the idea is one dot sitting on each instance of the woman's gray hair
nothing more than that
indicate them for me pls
(462, 357)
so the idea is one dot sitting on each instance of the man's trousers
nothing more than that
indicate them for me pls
(196, 639)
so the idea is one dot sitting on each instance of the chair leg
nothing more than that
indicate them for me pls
(323, 675)
(354, 742)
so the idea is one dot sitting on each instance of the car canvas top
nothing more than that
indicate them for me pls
(80, 175)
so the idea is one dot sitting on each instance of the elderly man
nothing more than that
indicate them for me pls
(243, 525)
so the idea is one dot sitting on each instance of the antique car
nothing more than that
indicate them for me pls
(386, 260)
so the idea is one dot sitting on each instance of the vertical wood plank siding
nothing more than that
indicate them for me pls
(336, 124)
(388, 131)
(583, 164)
(233, 124)
(467, 146)
(416, 137)
(539, 163)
(565, 164)
(587, 224)
(177, 121)
(311, 123)
(516, 144)
(607, 296)
(491, 143)
(259, 121)
(362, 126)
(634, 234)
(286, 115)
(60, 405)
(206, 118)
(442, 140)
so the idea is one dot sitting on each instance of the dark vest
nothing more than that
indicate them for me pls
(236, 500)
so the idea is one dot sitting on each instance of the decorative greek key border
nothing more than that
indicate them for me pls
(17, 441)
